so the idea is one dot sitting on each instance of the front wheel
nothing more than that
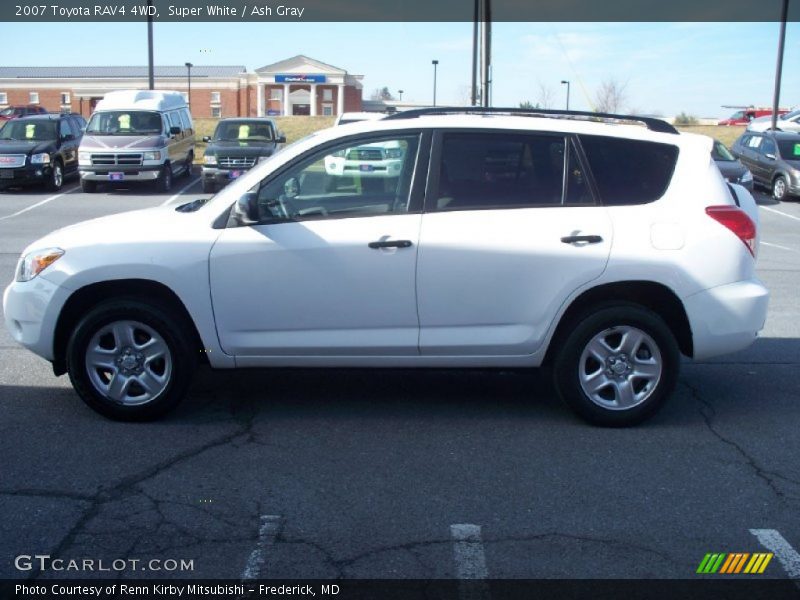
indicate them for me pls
(88, 187)
(779, 188)
(164, 181)
(130, 360)
(617, 366)
(56, 179)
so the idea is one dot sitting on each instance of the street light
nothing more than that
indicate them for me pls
(435, 64)
(189, 77)
(401, 94)
(567, 84)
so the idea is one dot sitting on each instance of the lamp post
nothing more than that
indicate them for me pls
(401, 94)
(435, 64)
(565, 82)
(189, 80)
(150, 74)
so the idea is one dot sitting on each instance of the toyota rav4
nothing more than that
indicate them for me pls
(585, 242)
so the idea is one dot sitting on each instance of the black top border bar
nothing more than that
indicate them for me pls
(652, 123)
(408, 11)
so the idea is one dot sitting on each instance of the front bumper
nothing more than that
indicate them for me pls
(129, 173)
(30, 311)
(222, 176)
(29, 174)
(727, 318)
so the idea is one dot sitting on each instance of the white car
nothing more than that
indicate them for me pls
(602, 249)
(786, 122)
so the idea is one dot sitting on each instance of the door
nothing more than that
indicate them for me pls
(511, 229)
(327, 265)
(767, 155)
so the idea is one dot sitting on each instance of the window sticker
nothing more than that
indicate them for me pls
(796, 151)
(30, 130)
(124, 121)
(244, 132)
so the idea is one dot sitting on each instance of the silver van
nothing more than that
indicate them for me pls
(135, 136)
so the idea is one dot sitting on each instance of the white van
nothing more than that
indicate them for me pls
(137, 135)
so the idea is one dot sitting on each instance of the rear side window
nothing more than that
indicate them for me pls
(629, 171)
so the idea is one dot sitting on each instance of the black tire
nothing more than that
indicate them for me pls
(56, 180)
(779, 188)
(607, 322)
(209, 187)
(176, 375)
(187, 171)
(164, 181)
(89, 187)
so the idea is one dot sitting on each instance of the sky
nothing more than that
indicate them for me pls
(666, 68)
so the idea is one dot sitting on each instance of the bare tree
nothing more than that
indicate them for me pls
(545, 97)
(381, 94)
(610, 96)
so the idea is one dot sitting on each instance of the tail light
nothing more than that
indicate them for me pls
(735, 219)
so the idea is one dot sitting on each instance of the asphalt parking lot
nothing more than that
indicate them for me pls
(402, 474)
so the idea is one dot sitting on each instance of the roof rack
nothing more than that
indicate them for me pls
(652, 123)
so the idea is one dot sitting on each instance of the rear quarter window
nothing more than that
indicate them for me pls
(627, 171)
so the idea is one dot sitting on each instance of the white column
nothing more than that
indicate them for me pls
(260, 99)
(285, 99)
(313, 99)
(340, 99)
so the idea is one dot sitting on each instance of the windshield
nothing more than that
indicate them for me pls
(737, 115)
(790, 150)
(243, 131)
(790, 115)
(720, 152)
(124, 122)
(29, 130)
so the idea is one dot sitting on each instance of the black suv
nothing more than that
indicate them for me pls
(237, 145)
(774, 159)
(40, 149)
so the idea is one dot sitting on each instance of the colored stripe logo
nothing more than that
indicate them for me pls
(735, 563)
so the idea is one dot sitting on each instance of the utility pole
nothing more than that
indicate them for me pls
(776, 97)
(150, 71)
(486, 51)
(475, 18)
(189, 77)
(435, 64)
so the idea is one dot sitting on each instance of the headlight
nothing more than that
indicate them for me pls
(156, 155)
(209, 159)
(85, 156)
(747, 177)
(35, 262)
(40, 159)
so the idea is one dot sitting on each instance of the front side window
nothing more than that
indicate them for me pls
(64, 129)
(354, 179)
(629, 171)
(500, 170)
(790, 149)
(768, 147)
(124, 122)
(720, 152)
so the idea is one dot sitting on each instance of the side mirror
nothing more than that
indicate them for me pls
(291, 188)
(174, 130)
(207, 139)
(246, 209)
(281, 139)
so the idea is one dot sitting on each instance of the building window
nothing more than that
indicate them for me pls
(33, 97)
(215, 98)
(275, 94)
(216, 112)
(327, 110)
(327, 95)
(65, 98)
(3, 97)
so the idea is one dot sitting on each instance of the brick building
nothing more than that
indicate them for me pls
(311, 87)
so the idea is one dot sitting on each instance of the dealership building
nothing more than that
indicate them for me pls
(295, 86)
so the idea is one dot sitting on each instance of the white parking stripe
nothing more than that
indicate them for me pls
(775, 543)
(180, 191)
(270, 524)
(779, 246)
(32, 206)
(470, 561)
(777, 212)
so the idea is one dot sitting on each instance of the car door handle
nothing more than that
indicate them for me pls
(390, 244)
(589, 239)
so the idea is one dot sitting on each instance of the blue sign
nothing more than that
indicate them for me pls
(300, 78)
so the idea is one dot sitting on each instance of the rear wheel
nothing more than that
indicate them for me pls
(618, 365)
(90, 187)
(131, 360)
(779, 188)
(56, 179)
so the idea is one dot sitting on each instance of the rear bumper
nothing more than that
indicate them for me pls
(727, 318)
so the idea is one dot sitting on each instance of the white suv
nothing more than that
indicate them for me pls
(600, 247)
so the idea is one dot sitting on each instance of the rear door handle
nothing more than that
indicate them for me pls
(390, 244)
(589, 239)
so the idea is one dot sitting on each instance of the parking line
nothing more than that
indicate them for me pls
(470, 561)
(270, 524)
(180, 191)
(32, 206)
(778, 246)
(777, 212)
(783, 551)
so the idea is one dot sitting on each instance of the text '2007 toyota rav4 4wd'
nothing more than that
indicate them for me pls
(588, 243)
